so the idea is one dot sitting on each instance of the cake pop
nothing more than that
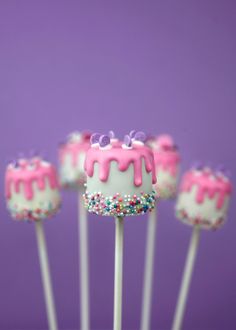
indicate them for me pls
(71, 168)
(119, 183)
(32, 194)
(167, 159)
(202, 203)
(119, 177)
(204, 197)
(32, 189)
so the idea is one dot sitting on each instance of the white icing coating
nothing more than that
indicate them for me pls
(137, 142)
(70, 173)
(166, 185)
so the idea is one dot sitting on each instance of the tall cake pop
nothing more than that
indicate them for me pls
(119, 183)
(32, 194)
(167, 160)
(203, 203)
(71, 168)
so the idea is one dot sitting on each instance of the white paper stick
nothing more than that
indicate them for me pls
(46, 278)
(148, 270)
(84, 264)
(188, 269)
(117, 322)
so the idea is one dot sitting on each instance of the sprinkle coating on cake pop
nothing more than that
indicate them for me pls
(120, 178)
(117, 205)
(204, 197)
(32, 189)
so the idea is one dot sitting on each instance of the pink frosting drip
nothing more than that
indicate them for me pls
(207, 186)
(23, 175)
(124, 157)
(74, 149)
(166, 156)
(167, 160)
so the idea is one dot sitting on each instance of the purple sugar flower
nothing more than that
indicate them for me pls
(140, 136)
(128, 140)
(104, 141)
(95, 138)
(132, 133)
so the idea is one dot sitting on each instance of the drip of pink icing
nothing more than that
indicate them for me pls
(73, 149)
(25, 176)
(124, 157)
(207, 186)
(167, 160)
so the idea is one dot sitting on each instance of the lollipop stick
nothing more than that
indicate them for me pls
(45, 273)
(148, 272)
(179, 312)
(118, 274)
(84, 268)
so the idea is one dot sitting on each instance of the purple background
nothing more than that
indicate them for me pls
(159, 66)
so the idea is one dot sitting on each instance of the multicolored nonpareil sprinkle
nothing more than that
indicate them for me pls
(198, 221)
(47, 211)
(117, 205)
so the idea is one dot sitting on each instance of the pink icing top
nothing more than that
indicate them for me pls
(74, 149)
(167, 160)
(27, 172)
(165, 155)
(124, 157)
(208, 185)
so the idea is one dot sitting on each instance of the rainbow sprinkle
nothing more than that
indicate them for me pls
(118, 205)
(47, 211)
(198, 221)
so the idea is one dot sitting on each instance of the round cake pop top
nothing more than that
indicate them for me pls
(119, 178)
(32, 189)
(71, 159)
(167, 161)
(204, 197)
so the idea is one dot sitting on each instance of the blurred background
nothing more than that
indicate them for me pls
(159, 66)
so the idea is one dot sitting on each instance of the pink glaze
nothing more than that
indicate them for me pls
(23, 175)
(167, 160)
(73, 149)
(207, 186)
(124, 157)
(166, 156)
